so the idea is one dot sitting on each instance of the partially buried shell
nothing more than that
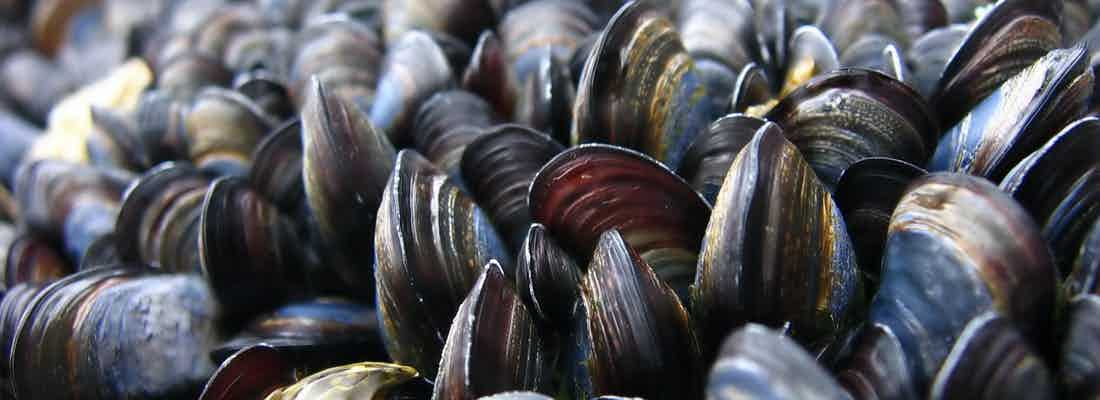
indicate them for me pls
(223, 127)
(708, 158)
(547, 278)
(343, 54)
(590, 189)
(633, 328)
(446, 123)
(431, 239)
(545, 100)
(775, 250)
(991, 360)
(757, 362)
(561, 26)
(494, 344)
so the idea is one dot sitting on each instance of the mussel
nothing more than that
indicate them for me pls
(757, 362)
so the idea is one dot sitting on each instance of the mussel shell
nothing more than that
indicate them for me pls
(223, 128)
(268, 92)
(959, 234)
(866, 194)
(776, 250)
(921, 16)
(494, 344)
(879, 368)
(561, 26)
(343, 54)
(878, 53)
(158, 220)
(183, 75)
(1059, 185)
(16, 301)
(547, 278)
(490, 76)
(251, 373)
(751, 88)
(847, 21)
(1080, 352)
(415, 68)
(28, 259)
(633, 329)
(499, 166)
(161, 125)
(276, 169)
(345, 164)
(259, 49)
(369, 380)
(114, 142)
(929, 54)
(991, 360)
(249, 252)
(1018, 117)
(708, 158)
(16, 137)
(592, 188)
(446, 123)
(851, 114)
(719, 30)
(1086, 266)
(757, 362)
(639, 88)
(430, 241)
(1010, 37)
(225, 24)
(464, 19)
(545, 100)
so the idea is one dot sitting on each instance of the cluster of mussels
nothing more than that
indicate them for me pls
(508, 199)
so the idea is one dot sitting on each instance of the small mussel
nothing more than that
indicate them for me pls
(991, 360)
(640, 89)
(547, 278)
(775, 250)
(634, 336)
(223, 127)
(494, 344)
(536, 24)
(159, 218)
(757, 362)
(590, 189)
(1017, 118)
(138, 334)
(276, 169)
(430, 242)
(446, 123)
(24, 258)
(957, 246)
(498, 168)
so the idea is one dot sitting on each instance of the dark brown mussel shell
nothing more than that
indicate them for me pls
(158, 220)
(1079, 373)
(879, 370)
(708, 159)
(223, 128)
(137, 334)
(490, 76)
(430, 242)
(345, 164)
(415, 68)
(991, 360)
(464, 19)
(958, 234)
(73, 204)
(632, 329)
(757, 362)
(1017, 118)
(250, 373)
(25, 258)
(545, 100)
(929, 54)
(249, 252)
(547, 278)
(1059, 185)
(809, 53)
(561, 26)
(842, 117)
(1083, 276)
(498, 168)
(343, 54)
(276, 169)
(590, 189)
(494, 344)
(16, 301)
(1010, 37)
(313, 334)
(775, 251)
(866, 194)
(446, 123)
(640, 88)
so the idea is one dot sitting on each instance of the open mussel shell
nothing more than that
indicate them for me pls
(366, 380)
(991, 360)
(1057, 183)
(158, 220)
(345, 164)
(494, 344)
(248, 251)
(430, 241)
(446, 123)
(545, 100)
(867, 212)
(223, 128)
(1080, 352)
(708, 159)
(640, 89)
(1017, 118)
(547, 278)
(490, 76)
(249, 374)
(276, 169)
(842, 117)
(775, 250)
(959, 234)
(343, 54)
(314, 334)
(757, 362)
(1006, 40)
(589, 189)
(414, 68)
(498, 168)
(879, 370)
(464, 19)
(561, 25)
(633, 329)
(139, 335)
(929, 54)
